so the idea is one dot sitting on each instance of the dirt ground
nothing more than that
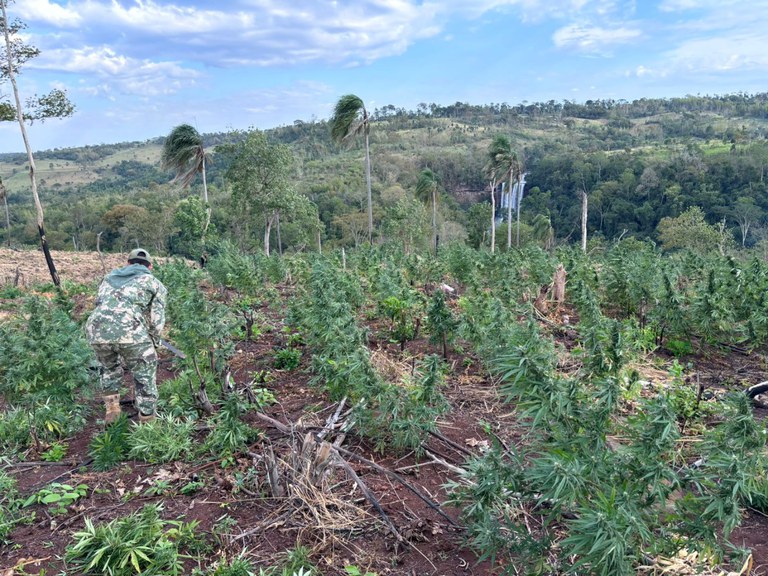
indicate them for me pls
(342, 527)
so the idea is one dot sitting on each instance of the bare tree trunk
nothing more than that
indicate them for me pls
(519, 202)
(205, 201)
(509, 214)
(434, 220)
(584, 221)
(279, 240)
(4, 194)
(25, 137)
(267, 233)
(493, 215)
(368, 181)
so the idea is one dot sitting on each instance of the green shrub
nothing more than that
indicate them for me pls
(230, 435)
(111, 447)
(43, 354)
(141, 543)
(58, 497)
(164, 439)
(287, 359)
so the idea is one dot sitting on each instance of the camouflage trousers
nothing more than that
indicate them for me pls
(140, 360)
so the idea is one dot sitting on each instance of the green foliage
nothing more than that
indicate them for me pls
(615, 503)
(230, 435)
(140, 543)
(41, 423)
(297, 560)
(401, 417)
(441, 323)
(55, 453)
(355, 571)
(43, 353)
(201, 327)
(287, 359)
(9, 505)
(238, 566)
(691, 231)
(111, 447)
(189, 220)
(231, 268)
(164, 439)
(58, 497)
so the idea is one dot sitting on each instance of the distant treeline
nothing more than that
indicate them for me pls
(638, 162)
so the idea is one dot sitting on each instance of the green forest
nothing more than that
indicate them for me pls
(681, 172)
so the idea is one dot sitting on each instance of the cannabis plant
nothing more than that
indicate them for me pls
(230, 435)
(111, 447)
(140, 543)
(441, 322)
(43, 353)
(164, 439)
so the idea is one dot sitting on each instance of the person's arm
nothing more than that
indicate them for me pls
(157, 311)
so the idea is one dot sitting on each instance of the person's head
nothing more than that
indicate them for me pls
(140, 256)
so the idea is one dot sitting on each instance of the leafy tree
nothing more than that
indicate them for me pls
(261, 176)
(691, 231)
(189, 218)
(52, 105)
(426, 191)
(349, 119)
(183, 152)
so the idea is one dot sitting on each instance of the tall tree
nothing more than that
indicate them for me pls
(183, 152)
(501, 159)
(350, 118)
(426, 190)
(261, 175)
(52, 105)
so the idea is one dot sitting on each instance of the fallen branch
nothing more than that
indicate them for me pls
(330, 423)
(452, 444)
(368, 495)
(263, 526)
(272, 422)
(460, 471)
(434, 505)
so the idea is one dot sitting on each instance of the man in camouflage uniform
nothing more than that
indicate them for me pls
(124, 326)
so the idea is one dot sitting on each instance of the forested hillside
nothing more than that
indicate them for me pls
(637, 163)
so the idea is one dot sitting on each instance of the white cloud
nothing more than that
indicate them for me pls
(593, 39)
(724, 53)
(48, 12)
(128, 75)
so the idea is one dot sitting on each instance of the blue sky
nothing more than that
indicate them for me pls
(137, 68)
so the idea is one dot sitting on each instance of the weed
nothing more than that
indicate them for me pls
(58, 497)
(164, 439)
(139, 543)
(111, 446)
(287, 359)
(55, 453)
(230, 435)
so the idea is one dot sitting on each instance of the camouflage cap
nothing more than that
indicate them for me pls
(141, 255)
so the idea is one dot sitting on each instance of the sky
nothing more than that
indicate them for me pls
(136, 68)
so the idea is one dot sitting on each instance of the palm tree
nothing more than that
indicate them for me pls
(426, 190)
(183, 153)
(349, 119)
(501, 163)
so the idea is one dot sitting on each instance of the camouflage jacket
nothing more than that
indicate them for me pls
(130, 307)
